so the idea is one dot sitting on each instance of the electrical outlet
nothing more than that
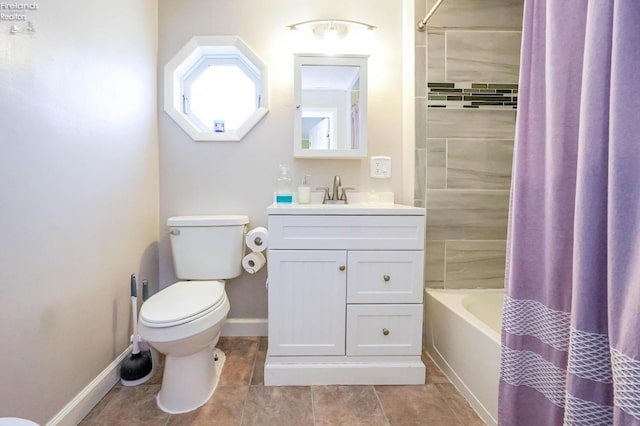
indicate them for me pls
(381, 167)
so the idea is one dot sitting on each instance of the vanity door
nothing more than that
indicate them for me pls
(307, 302)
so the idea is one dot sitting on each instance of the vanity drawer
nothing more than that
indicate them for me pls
(346, 232)
(384, 329)
(385, 276)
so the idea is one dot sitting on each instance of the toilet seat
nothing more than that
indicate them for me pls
(182, 302)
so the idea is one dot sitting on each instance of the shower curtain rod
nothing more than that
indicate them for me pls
(422, 25)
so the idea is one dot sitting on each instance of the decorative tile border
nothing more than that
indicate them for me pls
(472, 95)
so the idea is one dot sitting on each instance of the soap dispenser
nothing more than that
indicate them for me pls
(283, 189)
(304, 191)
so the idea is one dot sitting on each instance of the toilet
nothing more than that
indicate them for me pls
(183, 321)
(15, 421)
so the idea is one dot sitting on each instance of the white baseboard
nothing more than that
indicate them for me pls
(79, 407)
(245, 327)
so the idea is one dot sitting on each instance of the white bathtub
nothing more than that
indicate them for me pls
(463, 338)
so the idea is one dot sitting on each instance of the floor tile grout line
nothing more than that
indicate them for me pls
(313, 405)
(253, 366)
(384, 413)
(246, 397)
(168, 419)
(244, 405)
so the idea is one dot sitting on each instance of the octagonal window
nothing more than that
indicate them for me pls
(216, 88)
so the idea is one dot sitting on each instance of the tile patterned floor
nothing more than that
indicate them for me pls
(242, 399)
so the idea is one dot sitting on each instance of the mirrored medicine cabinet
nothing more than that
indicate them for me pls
(330, 98)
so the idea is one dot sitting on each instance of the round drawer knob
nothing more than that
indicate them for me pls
(342, 267)
(386, 277)
(385, 331)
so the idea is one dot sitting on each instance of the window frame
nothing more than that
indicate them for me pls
(190, 61)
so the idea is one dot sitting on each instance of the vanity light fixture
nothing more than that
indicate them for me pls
(331, 29)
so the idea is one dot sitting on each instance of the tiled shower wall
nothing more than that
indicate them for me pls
(464, 137)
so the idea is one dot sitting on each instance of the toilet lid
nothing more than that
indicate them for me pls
(181, 302)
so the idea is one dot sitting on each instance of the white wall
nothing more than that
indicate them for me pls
(79, 194)
(239, 177)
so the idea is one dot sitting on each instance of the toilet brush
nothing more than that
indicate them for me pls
(137, 368)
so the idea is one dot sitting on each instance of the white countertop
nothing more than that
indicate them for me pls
(345, 209)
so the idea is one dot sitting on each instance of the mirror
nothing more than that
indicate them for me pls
(330, 119)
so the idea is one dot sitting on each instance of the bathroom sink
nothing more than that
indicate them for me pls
(380, 203)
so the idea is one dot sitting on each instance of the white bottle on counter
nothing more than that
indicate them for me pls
(304, 191)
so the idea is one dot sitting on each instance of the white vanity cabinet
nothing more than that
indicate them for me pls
(307, 302)
(345, 295)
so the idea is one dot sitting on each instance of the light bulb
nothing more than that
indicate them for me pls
(332, 33)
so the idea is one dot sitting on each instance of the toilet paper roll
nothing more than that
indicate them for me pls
(253, 262)
(257, 239)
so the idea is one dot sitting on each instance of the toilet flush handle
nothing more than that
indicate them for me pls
(174, 231)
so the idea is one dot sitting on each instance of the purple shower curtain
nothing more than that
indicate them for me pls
(571, 325)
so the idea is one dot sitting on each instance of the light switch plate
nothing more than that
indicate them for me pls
(381, 167)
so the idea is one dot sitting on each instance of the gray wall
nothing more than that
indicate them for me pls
(79, 194)
(239, 177)
(463, 154)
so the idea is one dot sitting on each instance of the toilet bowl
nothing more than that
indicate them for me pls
(183, 321)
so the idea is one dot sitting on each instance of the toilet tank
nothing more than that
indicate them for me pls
(207, 247)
